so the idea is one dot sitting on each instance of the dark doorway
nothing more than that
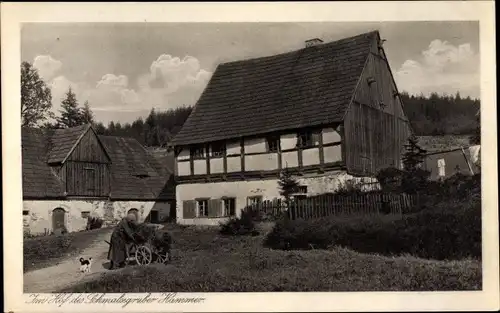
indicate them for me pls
(59, 221)
(154, 216)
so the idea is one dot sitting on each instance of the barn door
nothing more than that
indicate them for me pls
(135, 212)
(58, 221)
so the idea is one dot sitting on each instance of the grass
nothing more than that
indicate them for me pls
(205, 261)
(41, 252)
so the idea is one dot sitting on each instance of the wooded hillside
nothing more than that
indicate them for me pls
(429, 116)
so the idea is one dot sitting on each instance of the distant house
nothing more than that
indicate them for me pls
(328, 112)
(444, 164)
(71, 174)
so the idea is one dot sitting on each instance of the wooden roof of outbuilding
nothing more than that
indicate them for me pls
(308, 87)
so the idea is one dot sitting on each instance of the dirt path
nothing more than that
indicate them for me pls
(66, 273)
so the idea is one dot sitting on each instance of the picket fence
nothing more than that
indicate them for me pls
(368, 203)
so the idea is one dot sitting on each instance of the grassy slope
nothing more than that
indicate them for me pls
(206, 262)
(41, 252)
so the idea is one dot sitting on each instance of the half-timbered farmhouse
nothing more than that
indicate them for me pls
(71, 174)
(328, 112)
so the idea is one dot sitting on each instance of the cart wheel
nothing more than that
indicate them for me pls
(143, 255)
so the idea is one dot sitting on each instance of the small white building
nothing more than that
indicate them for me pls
(71, 174)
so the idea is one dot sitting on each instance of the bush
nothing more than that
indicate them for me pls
(449, 231)
(238, 226)
(94, 223)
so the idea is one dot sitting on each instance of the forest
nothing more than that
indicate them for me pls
(431, 115)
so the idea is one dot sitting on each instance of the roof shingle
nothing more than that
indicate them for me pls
(309, 87)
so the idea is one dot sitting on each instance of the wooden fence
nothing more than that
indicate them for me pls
(367, 203)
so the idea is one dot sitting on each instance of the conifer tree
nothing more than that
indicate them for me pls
(287, 185)
(71, 113)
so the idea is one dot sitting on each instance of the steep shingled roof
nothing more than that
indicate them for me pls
(38, 178)
(135, 173)
(307, 87)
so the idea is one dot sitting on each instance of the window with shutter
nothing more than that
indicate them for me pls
(189, 209)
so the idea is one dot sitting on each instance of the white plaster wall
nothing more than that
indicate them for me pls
(288, 141)
(234, 164)
(40, 212)
(261, 162)
(233, 148)
(200, 167)
(267, 188)
(310, 156)
(183, 168)
(330, 136)
(332, 154)
(289, 159)
(217, 165)
(255, 145)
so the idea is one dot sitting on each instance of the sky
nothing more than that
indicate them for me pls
(125, 69)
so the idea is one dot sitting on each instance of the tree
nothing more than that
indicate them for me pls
(71, 113)
(414, 177)
(87, 114)
(287, 185)
(36, 97)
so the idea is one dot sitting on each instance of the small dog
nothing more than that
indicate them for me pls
(85, 265)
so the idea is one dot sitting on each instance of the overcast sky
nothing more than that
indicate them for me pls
(125, 69)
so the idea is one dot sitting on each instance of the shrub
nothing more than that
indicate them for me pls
(243, 225)
(94, 222)
(448, 231)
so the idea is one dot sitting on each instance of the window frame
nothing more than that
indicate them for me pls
(250, 198)
(205, 207)
(225, 207)
(197, 152)
(309, 136)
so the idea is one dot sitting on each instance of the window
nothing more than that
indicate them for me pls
(197, 152)
(26, 212)
(85, 214)
(229, 205)
(441, 167)
(307, 139)
(254, 200)
(273, 143)
(218, 149)
(202, 207)
(302, 189)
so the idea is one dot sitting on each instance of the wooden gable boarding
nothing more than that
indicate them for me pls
(85, 169)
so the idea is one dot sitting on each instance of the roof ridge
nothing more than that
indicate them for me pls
(335, 42)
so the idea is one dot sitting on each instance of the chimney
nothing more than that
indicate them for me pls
(313, 42)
